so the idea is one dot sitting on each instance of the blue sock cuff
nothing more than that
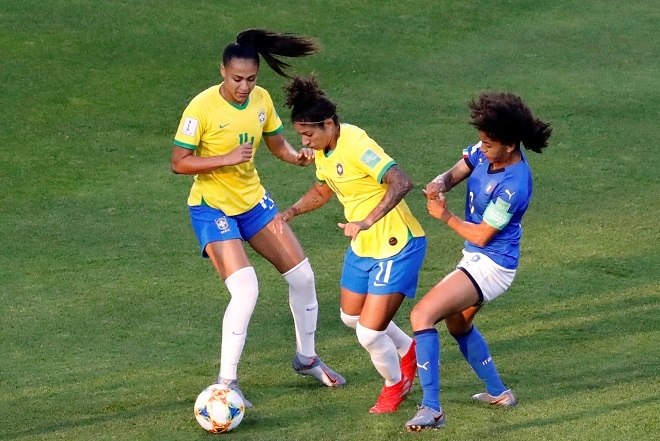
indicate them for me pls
(425, 331)
(465, 334)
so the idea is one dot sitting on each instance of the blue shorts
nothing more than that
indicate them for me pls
(212, 225)
(396, 274)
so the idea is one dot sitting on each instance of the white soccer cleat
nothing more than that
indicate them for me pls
(233, 385)
(505, 399)
(318, 370)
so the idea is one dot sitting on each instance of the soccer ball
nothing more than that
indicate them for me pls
(219, 409)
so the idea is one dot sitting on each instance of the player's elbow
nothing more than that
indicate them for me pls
(404, 182)
(482, 239)
(480, 242)
(408, 185)
(176, 168)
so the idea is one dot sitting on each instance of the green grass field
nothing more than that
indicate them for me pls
(110, 320)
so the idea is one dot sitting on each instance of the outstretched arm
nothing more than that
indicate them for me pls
(316, 197)
(447, 180)
(280, 148)
(398, 185)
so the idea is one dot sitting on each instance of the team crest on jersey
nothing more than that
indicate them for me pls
(490, 187)
(262, 117)
(222, 224)
(340, 169)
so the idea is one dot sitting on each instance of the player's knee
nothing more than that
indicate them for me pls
(349, 320)
(457, 325)
(243, 285)
(368, 338)
(301, 276)
(420, 319)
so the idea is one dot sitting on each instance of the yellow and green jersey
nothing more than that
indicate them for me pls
(354, 170)
(212, 126)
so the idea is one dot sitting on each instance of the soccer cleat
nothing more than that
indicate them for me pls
(233, 384)
(426, 418)
(505, 399)
(391, 397)
(409, 364)
(318, 370)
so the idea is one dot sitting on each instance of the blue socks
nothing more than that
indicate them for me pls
(475, 350)
(428, 369)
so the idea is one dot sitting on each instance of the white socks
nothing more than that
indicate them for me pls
(244, 290)
(401, 340)
(383, 353)
(304, 306)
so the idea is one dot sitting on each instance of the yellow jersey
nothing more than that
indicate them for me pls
(212, 126)
(354, 170)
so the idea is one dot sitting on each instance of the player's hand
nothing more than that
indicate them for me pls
(352, 229)
(437, 206)
(434, 188)
(242, 153)
(305, 156)
(278, 224)
(282, 218)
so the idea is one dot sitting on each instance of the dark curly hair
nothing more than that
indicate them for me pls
(251, 43)
(506, 118)
(308, 103)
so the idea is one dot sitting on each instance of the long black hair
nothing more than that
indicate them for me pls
(308, 103)
(506, 118)
(251, 43)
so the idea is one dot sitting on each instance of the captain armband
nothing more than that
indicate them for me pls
(497, 214)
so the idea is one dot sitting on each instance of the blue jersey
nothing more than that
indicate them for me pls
(499, 198)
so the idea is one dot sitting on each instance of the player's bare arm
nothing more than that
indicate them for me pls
(448, 180)
(281, 149)
(316, 197)
(185, 162)
(478, 234)
(398, 185)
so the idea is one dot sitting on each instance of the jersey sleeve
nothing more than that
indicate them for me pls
(189, 133)
(369, 157)
(273, 124)
(472, 154)
(506, 200)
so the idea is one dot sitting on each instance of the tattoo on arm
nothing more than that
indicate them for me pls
(398, 185)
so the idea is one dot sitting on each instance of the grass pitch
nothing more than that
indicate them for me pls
(110, 321)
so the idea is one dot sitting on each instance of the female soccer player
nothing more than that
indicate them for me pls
(499, 189)
(387, 243)
(217, 137)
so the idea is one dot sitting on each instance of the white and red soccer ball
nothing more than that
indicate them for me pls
(219, 409)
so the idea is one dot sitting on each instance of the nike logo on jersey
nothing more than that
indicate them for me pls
(424, 366)
(222, 126)
(509, 193)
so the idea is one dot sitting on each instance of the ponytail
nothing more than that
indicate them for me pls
(254, 42)
(536, 138)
